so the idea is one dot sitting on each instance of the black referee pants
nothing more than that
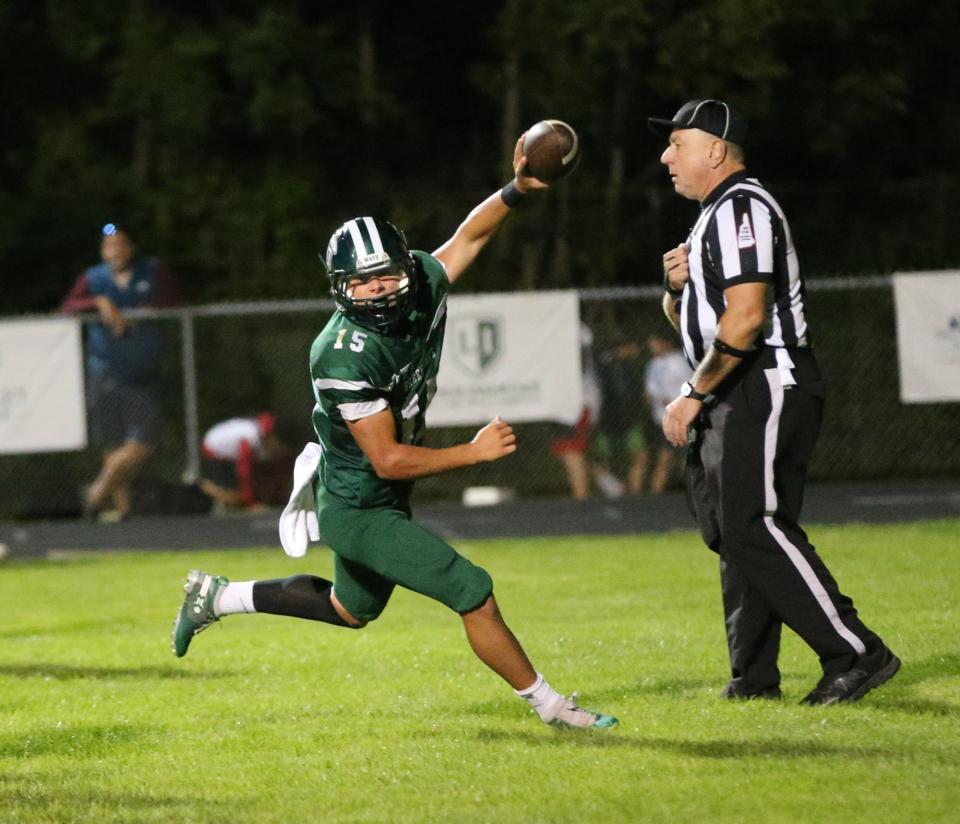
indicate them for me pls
(746, 468)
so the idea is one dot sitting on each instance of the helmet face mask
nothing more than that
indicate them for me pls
(360, 250)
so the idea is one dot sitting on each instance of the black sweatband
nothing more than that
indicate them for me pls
(689, 391)
(511, 195)
(675, 293)
(726, 349)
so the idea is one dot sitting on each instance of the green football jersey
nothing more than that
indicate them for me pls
(357, 371)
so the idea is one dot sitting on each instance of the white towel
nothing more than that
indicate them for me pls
(298, 521)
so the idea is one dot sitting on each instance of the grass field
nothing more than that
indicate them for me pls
(272, 719)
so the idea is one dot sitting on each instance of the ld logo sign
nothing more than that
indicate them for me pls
(477, 342)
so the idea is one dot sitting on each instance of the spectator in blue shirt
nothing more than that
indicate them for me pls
(122, 363)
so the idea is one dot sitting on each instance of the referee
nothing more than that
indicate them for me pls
(751, 414)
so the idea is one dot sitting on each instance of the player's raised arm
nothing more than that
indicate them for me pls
(481, 224)
(376, 435)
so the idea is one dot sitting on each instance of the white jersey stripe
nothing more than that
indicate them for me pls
(705, 314)
(727, 232)
(356, 411)
(792, 552)
(763, 234)
(796, 303)
(335, 383)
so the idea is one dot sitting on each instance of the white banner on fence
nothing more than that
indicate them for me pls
(41, 386)
(928, 335)
(513, 355)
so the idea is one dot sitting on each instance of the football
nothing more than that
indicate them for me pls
(552, 149)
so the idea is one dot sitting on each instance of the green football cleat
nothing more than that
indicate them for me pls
(570, 716)
(196, 612)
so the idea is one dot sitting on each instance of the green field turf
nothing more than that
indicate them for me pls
(272, 719)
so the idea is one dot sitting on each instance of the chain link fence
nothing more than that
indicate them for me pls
(242, 359)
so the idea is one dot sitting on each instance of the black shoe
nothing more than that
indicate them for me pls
(853, 684)
(734, 693)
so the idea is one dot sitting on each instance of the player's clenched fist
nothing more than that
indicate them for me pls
(496, 440)
(675, 269)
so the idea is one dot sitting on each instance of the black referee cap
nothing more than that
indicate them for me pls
(713, 116)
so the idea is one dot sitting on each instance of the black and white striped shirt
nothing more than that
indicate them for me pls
(741, 236)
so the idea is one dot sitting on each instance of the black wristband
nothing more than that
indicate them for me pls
(511, 195)
(688, 391)
(675, 293)
(726, 349)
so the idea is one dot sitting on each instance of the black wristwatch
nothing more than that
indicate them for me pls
(688, 391)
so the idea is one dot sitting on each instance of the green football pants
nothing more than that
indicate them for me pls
(377, 549)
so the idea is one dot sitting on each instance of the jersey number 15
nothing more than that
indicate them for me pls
(356, 340)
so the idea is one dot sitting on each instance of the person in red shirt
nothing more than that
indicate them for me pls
(230, 454)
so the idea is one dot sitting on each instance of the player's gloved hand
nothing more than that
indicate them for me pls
(676, 271)
(496, 440)
(523, 181)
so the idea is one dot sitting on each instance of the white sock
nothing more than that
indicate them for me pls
(543, 698)
(234, 597)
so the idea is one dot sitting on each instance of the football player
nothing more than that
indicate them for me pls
(374, 369)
